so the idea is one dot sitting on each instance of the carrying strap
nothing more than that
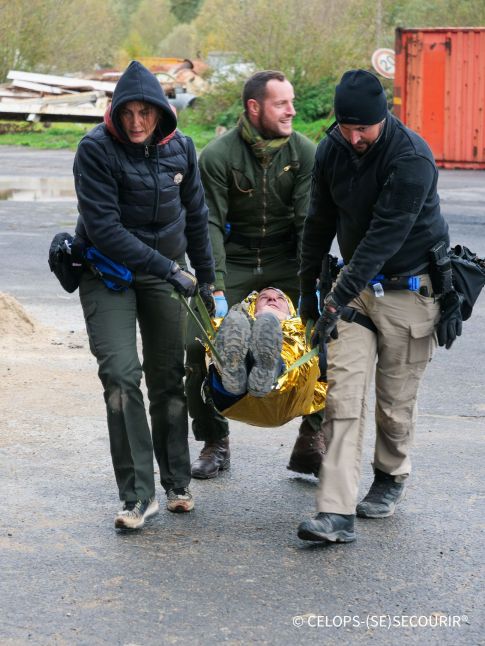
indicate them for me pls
(351, 315)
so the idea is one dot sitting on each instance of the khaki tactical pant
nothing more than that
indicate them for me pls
(398, 355)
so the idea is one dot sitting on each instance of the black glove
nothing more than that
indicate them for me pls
(450, 323)
(325, 327)
(184, 282)
(205, 291)
(308, 307)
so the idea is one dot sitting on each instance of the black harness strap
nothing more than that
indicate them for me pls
(351, 315)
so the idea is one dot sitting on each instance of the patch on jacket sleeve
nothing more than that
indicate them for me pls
(177, 178)
(407, 196)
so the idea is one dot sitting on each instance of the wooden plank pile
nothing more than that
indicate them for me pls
(45, 97)
(29, 96)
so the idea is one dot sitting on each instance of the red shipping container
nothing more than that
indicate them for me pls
(439, 91)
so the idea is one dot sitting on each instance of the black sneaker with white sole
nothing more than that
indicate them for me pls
(332, 528)
(134, 514)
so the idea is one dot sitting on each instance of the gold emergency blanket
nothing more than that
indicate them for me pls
(297, 393)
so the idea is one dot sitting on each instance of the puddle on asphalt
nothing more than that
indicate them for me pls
(37, 189)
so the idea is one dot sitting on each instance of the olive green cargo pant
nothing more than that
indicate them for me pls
(398, 355)
(207, 424)
(111, 322)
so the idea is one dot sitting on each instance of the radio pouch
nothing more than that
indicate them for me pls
(113, 274)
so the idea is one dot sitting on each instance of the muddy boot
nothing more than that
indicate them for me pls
(265, 344)
(214, 457)
(232, 344)
(308, 451)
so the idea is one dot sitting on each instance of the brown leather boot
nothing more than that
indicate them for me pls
(308, 452)
(214, 457)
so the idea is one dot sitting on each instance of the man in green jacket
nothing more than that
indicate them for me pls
(257, 180)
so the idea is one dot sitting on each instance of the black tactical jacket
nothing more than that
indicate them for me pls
(142, 205)
(383, 207)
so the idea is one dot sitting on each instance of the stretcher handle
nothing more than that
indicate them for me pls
(207, 329)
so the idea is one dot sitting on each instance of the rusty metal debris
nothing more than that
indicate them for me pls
(45, 97)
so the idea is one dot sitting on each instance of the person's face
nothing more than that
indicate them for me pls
(139, 120)
(361, 138)
(273, 117)
(270, 300)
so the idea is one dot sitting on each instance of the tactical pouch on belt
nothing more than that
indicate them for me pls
(468, 277)
(440, 269)
(65, 261)
(459, 269)
(328, 275)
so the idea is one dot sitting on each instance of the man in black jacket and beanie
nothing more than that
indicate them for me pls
(374, 187)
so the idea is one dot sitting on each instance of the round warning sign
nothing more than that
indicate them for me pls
(384, 63)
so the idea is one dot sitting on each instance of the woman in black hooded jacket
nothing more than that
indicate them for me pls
(142, 205)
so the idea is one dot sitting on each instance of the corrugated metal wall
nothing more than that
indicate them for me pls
(439, 91)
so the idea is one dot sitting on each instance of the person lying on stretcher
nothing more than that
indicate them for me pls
(257, 342)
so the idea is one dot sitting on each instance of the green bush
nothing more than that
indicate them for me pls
(314, 101)
(219, 107)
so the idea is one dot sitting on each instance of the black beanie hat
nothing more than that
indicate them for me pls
(360, 99)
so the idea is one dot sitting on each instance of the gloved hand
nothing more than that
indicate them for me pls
(184, 282)
(450, 323)
(308, 307)
(205, 291)
(221, 306)
(325, 327)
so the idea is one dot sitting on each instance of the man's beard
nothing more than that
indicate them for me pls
(265, 130)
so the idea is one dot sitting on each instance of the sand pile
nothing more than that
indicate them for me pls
(14, 320)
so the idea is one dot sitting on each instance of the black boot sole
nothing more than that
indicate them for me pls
(303, 468)
(335, 537)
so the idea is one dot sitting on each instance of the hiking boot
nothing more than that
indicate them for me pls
(334, 528)
(232, 344)
(214, 457)
(382, 497)
(266, 343)
(134, 514)
(179, 500)
(309, 449)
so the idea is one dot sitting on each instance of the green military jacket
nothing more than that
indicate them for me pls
(246, 198)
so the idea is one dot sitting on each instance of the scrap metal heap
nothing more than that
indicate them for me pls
(44, 97)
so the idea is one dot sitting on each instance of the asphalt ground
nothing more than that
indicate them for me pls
(233, 571)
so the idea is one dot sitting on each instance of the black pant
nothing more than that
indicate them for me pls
(111, 322)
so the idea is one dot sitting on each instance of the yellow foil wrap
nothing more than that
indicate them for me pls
(297, 393)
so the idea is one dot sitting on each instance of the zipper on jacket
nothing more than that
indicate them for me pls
(259, 269)
(155, 179)
(157, 185)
